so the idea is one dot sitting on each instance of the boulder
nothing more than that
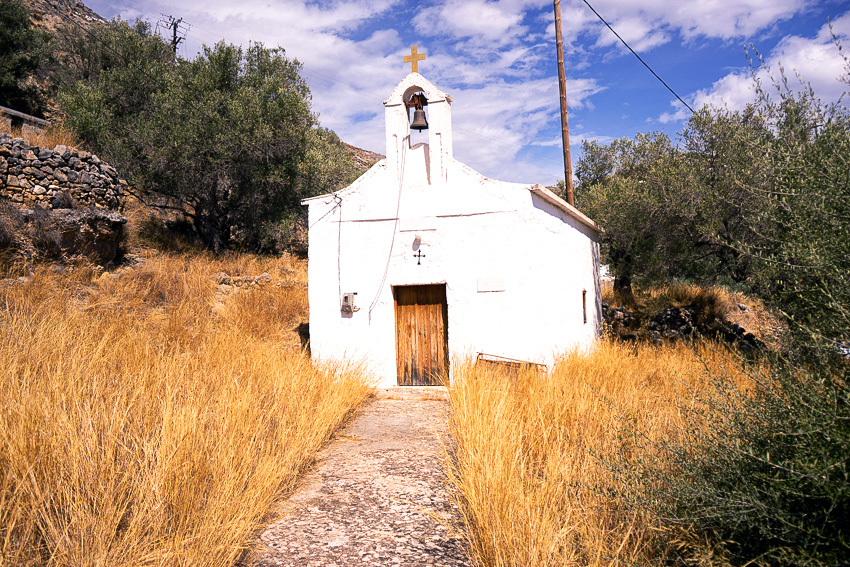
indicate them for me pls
(62, 200)
(96, 234)
(62, 151)
(34, 173)
(108, 170)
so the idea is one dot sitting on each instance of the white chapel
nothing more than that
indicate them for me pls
(423, 260)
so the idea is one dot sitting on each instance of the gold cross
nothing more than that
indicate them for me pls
(414, 58)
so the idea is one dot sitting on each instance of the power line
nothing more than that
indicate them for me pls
(639, 57)
(157, 20)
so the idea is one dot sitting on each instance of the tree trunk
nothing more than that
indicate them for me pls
(623, 287)
(209, 231)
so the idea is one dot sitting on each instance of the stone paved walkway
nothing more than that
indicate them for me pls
(377, 495)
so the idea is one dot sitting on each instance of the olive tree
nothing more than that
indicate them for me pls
(227, 138)
(679, 210)
(758, 474)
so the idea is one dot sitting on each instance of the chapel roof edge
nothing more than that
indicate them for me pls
(553, 199)
(371, 172)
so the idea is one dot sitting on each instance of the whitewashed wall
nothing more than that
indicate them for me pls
(475, 234)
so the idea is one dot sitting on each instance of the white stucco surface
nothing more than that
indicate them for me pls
(515, 258)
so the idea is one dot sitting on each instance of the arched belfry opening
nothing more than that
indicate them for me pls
(418, 117)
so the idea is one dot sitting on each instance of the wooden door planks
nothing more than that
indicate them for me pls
(421, 334)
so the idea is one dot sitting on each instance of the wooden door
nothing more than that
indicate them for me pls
(421, 338)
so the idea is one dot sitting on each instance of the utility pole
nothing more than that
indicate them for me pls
(175, 41)
(174, 26)
(565, 127)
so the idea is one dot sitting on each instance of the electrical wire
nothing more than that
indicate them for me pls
(100, 40)
(638, 56)
(338, 204)
(403, 158)
(338, 200)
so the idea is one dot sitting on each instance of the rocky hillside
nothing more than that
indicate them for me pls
(363, 159)
(67, 21)
(62, 18)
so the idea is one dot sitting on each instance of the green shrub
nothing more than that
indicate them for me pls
(760, 474)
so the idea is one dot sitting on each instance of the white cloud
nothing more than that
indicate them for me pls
(495, 22)
(639, 33)
(576, 140)
(645, 25)
(552, 142)
(815, 61)
(726, 18)
(579, 139)
(338, 15)
(493, 56)
(486, 60)
(495, 123)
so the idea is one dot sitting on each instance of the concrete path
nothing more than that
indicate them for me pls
(377, 495)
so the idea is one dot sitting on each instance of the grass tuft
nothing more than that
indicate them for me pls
(52, 136)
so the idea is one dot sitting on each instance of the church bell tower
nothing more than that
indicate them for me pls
(417, 93)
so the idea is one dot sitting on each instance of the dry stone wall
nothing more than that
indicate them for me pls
(55, 178)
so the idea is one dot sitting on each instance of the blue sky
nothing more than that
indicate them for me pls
(498, 61)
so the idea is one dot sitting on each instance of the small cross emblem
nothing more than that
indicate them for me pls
(414, 58)
(419, 255)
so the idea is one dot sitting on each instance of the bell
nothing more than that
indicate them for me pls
(419, 121)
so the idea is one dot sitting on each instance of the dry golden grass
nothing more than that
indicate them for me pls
(529, 450)
(672, 295)
(138, 426)
(50, 137)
